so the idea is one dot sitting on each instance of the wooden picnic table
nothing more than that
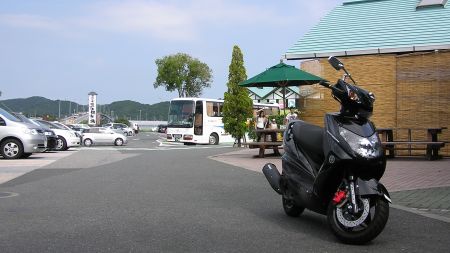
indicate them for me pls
(432, 143)
(264, 143)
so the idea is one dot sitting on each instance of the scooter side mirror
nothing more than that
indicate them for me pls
(336, 63)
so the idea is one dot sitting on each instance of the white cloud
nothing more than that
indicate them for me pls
(181, 21)
(29, 21)
(173, 20)
(160, 20)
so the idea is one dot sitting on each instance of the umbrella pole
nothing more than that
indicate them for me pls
(284, 84)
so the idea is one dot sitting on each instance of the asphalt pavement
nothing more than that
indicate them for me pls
(151, 196)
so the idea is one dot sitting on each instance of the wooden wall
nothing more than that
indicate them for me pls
(411, 90)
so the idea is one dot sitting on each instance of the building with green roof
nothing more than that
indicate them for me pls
(362, 27)
(397, 49)
(275, 95)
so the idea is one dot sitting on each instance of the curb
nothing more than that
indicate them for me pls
(422, 213)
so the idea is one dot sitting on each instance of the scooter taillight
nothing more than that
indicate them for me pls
(339, 196)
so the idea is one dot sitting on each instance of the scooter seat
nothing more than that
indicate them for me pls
(310, 139)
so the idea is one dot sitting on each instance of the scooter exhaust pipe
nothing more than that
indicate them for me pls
(273, 176)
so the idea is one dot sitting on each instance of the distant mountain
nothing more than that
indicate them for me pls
(135, 111)
(40, 106)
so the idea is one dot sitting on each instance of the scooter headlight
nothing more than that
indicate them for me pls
(369, 147)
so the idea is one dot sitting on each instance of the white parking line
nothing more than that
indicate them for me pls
(155, 149)
(163, 143)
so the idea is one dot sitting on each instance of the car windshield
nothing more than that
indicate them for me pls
(49, 125)
(181, 113)
(61, 126)
(23, 118)
(9, 116)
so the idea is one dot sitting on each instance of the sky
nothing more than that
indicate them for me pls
(65, 49)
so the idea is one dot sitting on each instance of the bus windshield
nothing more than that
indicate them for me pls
(181, 114)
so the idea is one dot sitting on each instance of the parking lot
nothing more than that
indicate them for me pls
(146, 141)
(152, 196)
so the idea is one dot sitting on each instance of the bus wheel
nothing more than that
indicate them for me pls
(213, 139)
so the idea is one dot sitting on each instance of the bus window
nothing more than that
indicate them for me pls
(214, 109)
(198, 121)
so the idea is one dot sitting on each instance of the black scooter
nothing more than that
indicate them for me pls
(335, 170)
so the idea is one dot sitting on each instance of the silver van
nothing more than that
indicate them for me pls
(19, 139)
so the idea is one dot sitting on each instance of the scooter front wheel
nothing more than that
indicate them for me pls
(362, 227)
(290, 208)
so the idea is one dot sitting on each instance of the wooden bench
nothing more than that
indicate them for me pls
(432, 147)
(275, 145)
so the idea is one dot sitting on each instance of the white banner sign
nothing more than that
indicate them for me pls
(92, 120)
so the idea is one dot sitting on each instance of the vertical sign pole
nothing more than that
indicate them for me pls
(92, 113)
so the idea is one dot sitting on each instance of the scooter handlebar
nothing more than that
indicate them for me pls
(330, 86)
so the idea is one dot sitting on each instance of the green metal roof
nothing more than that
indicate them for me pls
(261, 92)
(266, 91)
(376, 26)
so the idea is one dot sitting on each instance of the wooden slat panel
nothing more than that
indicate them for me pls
(412, 91)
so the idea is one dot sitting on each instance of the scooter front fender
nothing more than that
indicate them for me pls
(372, 187)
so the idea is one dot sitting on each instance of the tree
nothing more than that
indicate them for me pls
(237, 107)
(184, 74)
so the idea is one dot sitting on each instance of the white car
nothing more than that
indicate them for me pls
(120, 127)
(66, 138)
(102, 135)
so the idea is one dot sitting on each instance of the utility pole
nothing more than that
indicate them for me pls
(140, 111)
(59, 109)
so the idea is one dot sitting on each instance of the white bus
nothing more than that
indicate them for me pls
(199, 120)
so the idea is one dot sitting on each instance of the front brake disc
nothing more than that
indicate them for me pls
(353, 223)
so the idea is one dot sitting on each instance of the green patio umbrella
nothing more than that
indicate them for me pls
(282, 75)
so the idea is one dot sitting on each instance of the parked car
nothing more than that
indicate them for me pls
(162, 128)
(102, 135)
(66, 138)
(119, 126)
(68, 128)
(78, 128)
(19, 139)
(49, 134)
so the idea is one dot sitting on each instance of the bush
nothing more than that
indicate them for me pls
(278, 119)
(251, 129)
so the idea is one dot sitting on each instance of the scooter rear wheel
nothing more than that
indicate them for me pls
(352, 229)
(290, 208)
